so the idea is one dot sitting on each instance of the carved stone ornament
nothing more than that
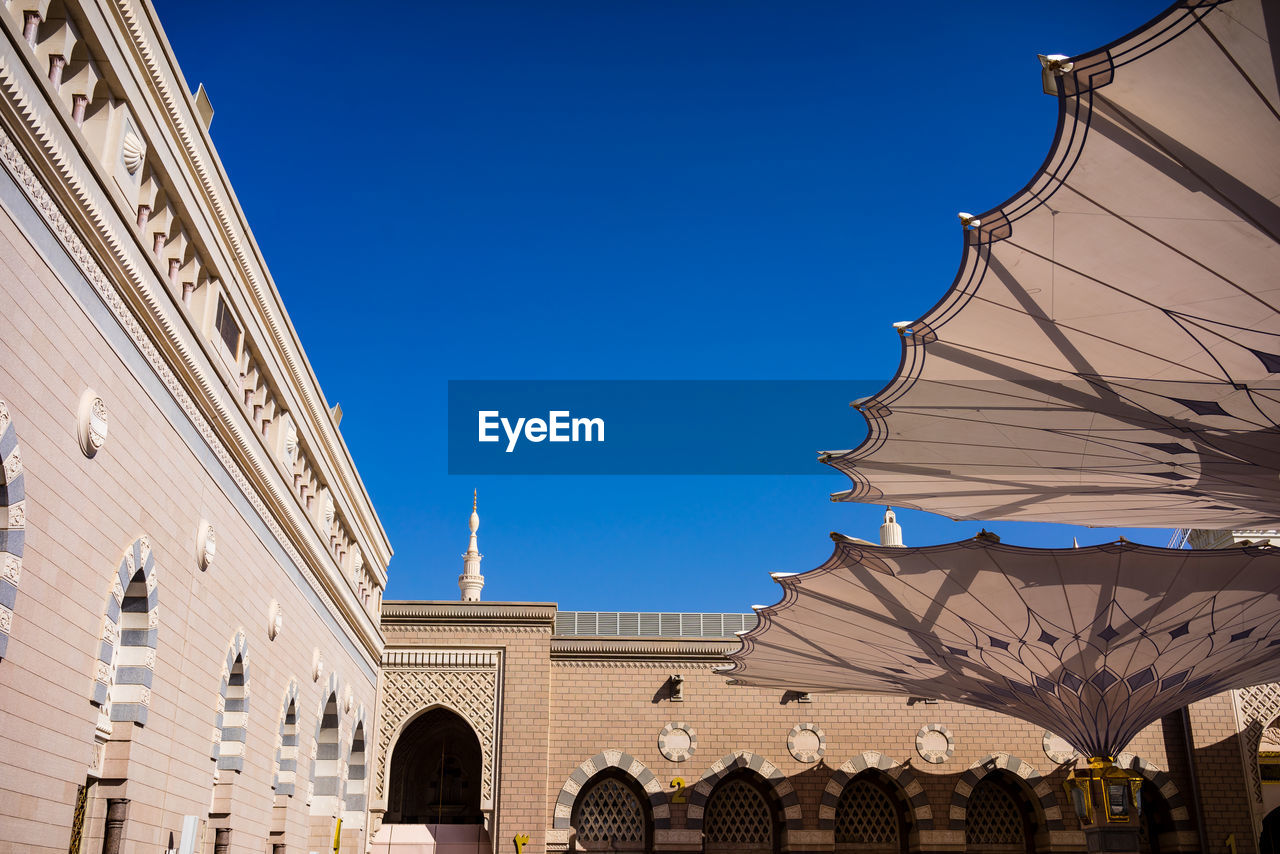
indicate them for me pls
(275, 620)
(92, 422)
(1057, 750)
(935, 744)
(807, 742)
(677, 741)
(206, 544)
(317, 665)
(132, 152)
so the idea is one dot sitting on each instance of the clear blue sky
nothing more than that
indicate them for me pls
(619, 190)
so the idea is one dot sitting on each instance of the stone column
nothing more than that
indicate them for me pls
(113, 835)
(222, 840)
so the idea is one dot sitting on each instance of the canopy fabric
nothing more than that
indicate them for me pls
(1109, 351)
(1091, 643)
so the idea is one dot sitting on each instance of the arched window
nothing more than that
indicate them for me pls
(611, 814)
(868, 818)
(287, 751)
(127, 653)
(739, 818)
(233, 709)
(995, 820)
(354, 799)
(326, 770)
(13, 523)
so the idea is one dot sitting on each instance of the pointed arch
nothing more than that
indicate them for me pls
(627, 764)
(920, 814)
(126, 662)
(1179, 811)
(284, 780)
(13, 523)
(356, 792)
(1038, 790)
(231, 718)
(777, 782)
(325, 787)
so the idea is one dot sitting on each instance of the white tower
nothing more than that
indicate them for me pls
(890, 531)
(471, 582)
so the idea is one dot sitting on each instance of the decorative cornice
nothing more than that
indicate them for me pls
(266, 296)
(465, 628)
(29, 115)
(456, 659)
(636, 664)
(652, 649)
(402, 614)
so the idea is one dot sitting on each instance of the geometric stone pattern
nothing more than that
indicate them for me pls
(807, 743)
(1258, 707)
(935, 744)
(231, 720)
(993, 817)
(668, 746)
(920, 815)
(737, 813)
(624, 762)
(13, 523)
(783, 792)
(1048, 804)
(469, 690)
(866, 815)
(354, 797)
(610, 811)
(121, 689)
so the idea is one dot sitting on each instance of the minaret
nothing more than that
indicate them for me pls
(471, 582)
(890, 531)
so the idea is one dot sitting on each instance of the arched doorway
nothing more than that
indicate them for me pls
(1155, 827)
(1000, 817)
(435, 772)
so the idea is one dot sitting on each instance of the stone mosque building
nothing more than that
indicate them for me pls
(195, 654)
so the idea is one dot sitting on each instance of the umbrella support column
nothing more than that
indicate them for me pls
(1107, 800)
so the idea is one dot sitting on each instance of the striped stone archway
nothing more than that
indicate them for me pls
(1048, 810)
(624, 762)
(1178, 808)
(778, 783)
(13, 522)
(908, 785)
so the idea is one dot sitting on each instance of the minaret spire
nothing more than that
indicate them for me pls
(471, 582)
(890, 531)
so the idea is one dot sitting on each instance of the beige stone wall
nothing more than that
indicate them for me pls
(81, 515)
(596, 706)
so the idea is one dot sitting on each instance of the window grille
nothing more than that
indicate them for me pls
(610, 812)
(866, 815)
(737, 813)
(993, 818)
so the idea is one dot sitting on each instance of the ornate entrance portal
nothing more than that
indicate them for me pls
(435, 772)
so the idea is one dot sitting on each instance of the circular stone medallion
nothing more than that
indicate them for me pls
(1057, 748)
(677, 741)
(935, 744)
(806, 742)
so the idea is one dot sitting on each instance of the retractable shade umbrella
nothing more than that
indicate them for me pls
(1109, 350)
(1092, 643)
